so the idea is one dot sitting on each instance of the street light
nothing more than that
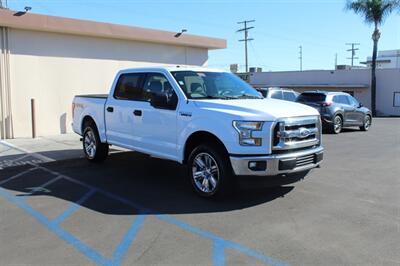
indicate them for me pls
(180, 33)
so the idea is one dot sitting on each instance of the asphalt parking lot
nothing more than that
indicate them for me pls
(136, 210)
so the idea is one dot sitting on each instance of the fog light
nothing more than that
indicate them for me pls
(258, 165)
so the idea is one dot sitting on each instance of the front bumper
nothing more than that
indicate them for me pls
(277, 164)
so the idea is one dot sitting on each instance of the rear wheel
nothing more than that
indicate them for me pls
(336, 126)
(94, 150)
(367, 123)
(209, 171)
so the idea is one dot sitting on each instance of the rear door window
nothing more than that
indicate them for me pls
(129, 87)
(353, 101)
(289, 96)
(276, 95)
(336, 99)
(341, 99)
(344, 99)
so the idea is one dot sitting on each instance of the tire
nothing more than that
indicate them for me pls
(210, 172)
(94, 150)
(337, 125)
(367, 123)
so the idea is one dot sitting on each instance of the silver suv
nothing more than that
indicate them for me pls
(279, 93)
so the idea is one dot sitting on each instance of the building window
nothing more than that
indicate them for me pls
(396, 99)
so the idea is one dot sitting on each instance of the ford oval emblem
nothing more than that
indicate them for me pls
(304, 132)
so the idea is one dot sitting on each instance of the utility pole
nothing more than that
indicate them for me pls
(301, 57)
(353, 52)
(246, 39)
(335, 61)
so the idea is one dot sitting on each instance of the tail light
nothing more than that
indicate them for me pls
(325, 104)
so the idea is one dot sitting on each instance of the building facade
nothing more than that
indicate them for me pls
(51, 59)
(385, 59)
(354, 81)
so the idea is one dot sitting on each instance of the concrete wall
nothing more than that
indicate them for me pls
(388, 81)
(52, 68)
(5, 88)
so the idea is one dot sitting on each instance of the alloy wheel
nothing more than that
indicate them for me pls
(367, 122)
(89, 143)
(337, 126)
(205, 173)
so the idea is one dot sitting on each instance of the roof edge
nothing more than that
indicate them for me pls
(46, 23)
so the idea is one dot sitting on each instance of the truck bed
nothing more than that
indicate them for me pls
(101, 96)
(92, 104)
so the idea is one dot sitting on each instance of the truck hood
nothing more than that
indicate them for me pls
(257, 109)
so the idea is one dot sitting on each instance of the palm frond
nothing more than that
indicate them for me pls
(373, 11)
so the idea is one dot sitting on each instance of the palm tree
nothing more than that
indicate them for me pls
(374, 12)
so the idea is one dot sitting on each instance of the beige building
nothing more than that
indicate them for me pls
(354, 81)
(50, 59)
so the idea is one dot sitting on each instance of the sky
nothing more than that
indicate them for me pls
(321, 27)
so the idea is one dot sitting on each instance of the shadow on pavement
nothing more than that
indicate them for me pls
(157, 185)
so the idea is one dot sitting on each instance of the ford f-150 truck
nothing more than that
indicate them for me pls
(210, 120)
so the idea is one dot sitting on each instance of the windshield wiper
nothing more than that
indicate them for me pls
(221, 97)
(249, 96)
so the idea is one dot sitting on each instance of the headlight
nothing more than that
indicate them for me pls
(245, 130)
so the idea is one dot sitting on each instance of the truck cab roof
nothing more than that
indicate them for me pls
(170, 69)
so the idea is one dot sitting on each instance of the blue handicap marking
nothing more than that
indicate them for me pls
(218, 253)
(219, 248)
(67, 237)
(127, 240)
(73, 207)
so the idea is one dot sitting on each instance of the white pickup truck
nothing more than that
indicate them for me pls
(209, 120)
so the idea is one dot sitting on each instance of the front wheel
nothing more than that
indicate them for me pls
(367, 123)
(94, 150)
(209, 171)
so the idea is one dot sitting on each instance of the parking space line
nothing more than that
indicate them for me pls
(27, 152)
(18, 175)
(67, 237)
(218, 254)
(73, 207)
(221, 241)
(182, 225)
(8, 149)
(128, 239)
(219, 244)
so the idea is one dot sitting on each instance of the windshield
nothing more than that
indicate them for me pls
(214, 85)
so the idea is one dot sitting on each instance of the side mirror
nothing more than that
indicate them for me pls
(162, 101)
(360, 105)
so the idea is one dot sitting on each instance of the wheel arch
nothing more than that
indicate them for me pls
(199, 137)
(88, 119)
(341, 114)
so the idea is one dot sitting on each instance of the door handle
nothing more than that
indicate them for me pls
(110, 109)
(137, 112)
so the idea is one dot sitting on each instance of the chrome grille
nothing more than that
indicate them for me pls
(295, 133)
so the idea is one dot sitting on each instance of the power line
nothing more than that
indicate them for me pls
(301, 57)
(246, 39)
(353, 52)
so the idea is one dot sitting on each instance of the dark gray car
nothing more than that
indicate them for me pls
(338, 110)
